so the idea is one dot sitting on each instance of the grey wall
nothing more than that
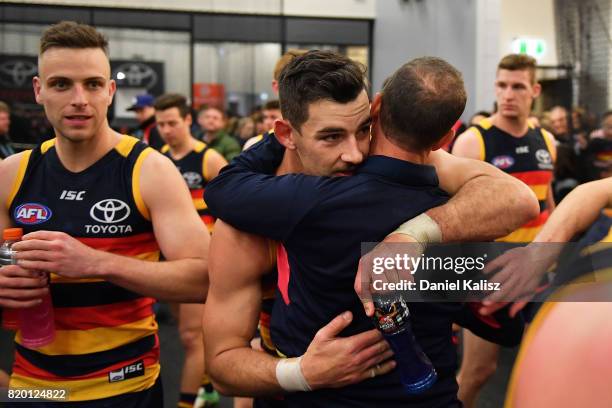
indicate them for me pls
(404, 30)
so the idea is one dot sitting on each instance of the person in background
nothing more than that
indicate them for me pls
(245, 130)
(271, 112)
(146, 130)
(566, 167)
(6, 149)
(212, 121)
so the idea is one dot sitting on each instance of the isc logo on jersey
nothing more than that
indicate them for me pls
(502, 162)
(32, 213)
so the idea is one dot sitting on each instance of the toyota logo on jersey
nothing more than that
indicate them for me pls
(32, 214)
(110, 211)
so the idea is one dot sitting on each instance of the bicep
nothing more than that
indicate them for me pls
(8, 172)
(469, 144)
(237, 263)
(179, 231)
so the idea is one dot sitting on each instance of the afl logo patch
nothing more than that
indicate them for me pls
(502, 162)
(543, 156)
(32, 213)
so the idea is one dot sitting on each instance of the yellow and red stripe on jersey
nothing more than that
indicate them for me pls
(539, 182)
(100, 328)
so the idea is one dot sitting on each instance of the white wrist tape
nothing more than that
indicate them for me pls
(289, 375)
(422, 228)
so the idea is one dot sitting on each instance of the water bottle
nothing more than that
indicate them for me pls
(36, 323)
(392, 318)
(10, 317)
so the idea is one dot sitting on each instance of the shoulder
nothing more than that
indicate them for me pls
(470, 144)
(10, 169)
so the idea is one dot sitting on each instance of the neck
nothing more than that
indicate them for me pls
(78, 156)
(516, 127)
(183, 148)
(382, 146)
(291, 164)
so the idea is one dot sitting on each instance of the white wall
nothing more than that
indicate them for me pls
(442, 28)
(332, 8)
(488, 19)
(319, 8)
(528, 18)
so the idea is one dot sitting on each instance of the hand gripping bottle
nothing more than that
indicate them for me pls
(37, 322)
(10, 317)
(392, 318)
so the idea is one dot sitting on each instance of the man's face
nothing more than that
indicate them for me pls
(335, 138)
(515, 93)
(558, 122)
(269, 117)
(173, 128)
(606, 125)
(5, 122)
(144, 113)
(75, 88)
(212, 120)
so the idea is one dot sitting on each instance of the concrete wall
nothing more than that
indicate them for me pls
(532, 19)
(405, 30)
(317, 8)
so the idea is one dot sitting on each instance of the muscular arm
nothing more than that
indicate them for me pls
(494, 202)
(578, 210)
(232, 308)
(181, 236)
(246, 194)
(19, 288)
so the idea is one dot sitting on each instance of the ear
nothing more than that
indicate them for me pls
(275, 86)
(537, 90)
(188, 119)
(37, 85)
(375, 107)
(448, 137)
(112, 88)
(284, 133)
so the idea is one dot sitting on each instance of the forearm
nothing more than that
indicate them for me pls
(184, 280)
(577, 211)
(485, 208)
(244, 372)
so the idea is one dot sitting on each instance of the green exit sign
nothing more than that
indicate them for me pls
(530, 46)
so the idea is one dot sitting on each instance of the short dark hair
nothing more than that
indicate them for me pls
(4, 107)
(204, 108)
(421, 101)
(271, 105)
(70, 34)
(318, 75)
(171, 100)
(519, 62)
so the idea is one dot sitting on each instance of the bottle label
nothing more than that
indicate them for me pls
(391, 316)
